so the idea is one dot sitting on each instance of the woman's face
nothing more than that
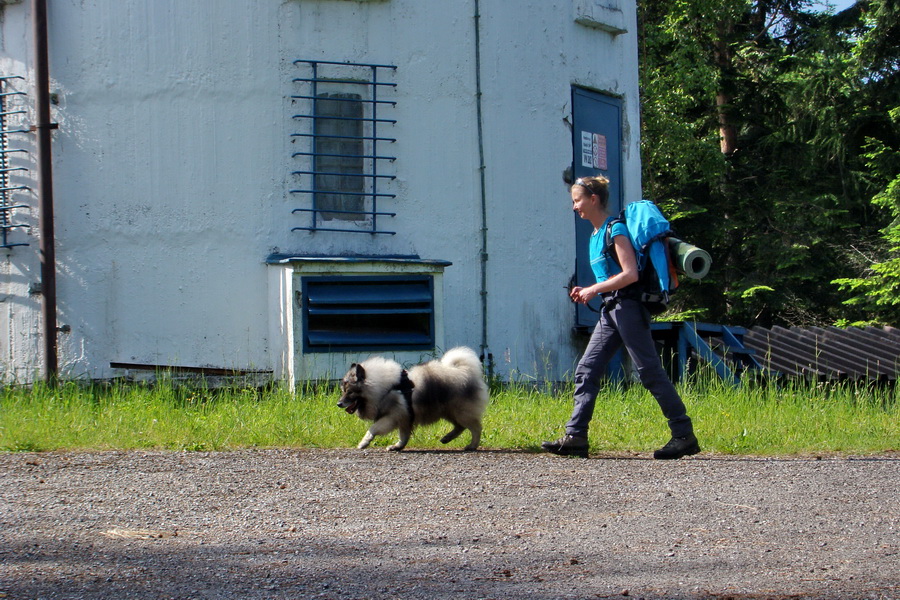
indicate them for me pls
(583, 201)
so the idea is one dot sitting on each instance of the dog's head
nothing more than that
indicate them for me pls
(353, 389)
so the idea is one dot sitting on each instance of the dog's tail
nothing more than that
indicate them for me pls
(463, 358)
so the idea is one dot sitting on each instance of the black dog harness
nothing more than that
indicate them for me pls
(405, 387)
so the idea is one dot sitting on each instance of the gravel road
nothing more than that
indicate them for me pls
(344, 524)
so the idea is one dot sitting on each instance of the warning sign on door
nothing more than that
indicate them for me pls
(599, 151)
(587, 149)
(593, 151)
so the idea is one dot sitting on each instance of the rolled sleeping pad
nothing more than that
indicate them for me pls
(690, 260)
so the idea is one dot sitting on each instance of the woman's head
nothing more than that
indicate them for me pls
(589, 198)
(595, 186)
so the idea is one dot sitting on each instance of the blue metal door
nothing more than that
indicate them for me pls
(597, 146)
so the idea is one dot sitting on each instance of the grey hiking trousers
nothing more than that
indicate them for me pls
(625, 323)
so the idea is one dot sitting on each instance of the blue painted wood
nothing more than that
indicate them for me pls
(703, 349)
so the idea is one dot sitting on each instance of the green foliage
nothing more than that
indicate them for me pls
(877, 48)
(878, 290)
(760, 124)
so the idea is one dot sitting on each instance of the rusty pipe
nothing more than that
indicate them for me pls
(42, 128)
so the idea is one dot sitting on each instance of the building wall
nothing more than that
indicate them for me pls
(172, 167)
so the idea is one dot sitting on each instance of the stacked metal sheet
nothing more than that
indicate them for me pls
(829, 353)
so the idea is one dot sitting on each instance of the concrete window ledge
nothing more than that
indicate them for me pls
(600, 14)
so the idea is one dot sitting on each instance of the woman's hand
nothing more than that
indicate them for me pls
(628, 275)
(583, 295)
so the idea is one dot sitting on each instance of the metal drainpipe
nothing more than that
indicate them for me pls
(486, 357)
(42, 128)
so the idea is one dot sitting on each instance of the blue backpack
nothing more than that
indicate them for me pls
(649, 231)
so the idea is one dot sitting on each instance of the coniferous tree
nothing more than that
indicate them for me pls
(877, 52)
(755, 121)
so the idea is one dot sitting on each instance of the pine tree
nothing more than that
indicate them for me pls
(755, 121)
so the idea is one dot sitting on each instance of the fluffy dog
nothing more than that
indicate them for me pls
(452, 388)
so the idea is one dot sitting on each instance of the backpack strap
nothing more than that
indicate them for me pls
(609, 246)
(609, 249)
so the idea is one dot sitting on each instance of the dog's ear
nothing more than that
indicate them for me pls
(360, 372)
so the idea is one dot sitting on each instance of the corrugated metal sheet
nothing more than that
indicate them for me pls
(829, 353)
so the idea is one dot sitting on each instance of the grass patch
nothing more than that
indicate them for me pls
(796, 419)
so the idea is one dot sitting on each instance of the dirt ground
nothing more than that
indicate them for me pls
(345, 524)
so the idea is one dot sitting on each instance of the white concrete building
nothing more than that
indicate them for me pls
(290, 185)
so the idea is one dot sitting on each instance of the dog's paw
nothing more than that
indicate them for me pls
(366, 440)
(470, 448)
(396, 447)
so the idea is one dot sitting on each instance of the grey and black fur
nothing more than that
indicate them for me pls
(452, 388)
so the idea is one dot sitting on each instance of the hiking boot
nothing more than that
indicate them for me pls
(678, 447)
(568, 445)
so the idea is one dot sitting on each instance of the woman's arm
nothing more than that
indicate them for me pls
(629, 274)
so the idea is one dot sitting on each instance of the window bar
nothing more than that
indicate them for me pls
(361, 119)
(7, 188)
(355, 212)
(347, 212)
(366, 156)
(367, 175)
(374, 149)
(347, 137)
(299, 97)
(315, 139)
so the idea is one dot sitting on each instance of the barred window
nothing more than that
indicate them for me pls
(343, 171)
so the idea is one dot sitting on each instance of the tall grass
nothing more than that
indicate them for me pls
(755, 419)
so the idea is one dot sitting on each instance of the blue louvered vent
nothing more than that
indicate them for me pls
(354, 313)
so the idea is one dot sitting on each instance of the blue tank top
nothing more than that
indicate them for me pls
(603, 265)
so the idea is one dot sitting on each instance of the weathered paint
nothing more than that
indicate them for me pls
(172, 165)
